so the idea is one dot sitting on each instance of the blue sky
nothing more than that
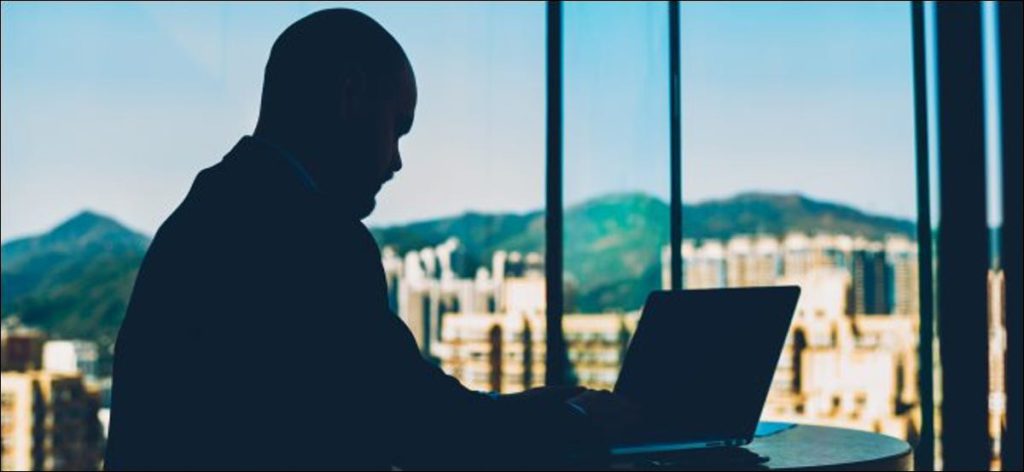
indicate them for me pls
(116, 107)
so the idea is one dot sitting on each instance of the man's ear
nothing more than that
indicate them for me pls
(354, 88)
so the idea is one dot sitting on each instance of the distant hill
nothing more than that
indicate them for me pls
(613, 242)
(75, 280)
(752, 213)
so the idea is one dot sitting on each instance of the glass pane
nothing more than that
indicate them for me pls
(798, 168)
(616, 176)
(931, 74)
(100, 142)
(462, 226)
(996, 275)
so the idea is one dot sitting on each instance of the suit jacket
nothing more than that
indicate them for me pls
(258, 336)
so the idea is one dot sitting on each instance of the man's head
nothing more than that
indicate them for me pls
(338, 93)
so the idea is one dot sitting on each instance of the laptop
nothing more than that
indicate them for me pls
(700, 365)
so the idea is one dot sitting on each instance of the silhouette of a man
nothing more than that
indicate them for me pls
(258, 334)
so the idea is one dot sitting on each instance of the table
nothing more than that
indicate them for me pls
(828, 448)
(822, 447)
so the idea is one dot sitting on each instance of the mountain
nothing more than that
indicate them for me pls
(753, 213)
(613, 243)
(75, 280)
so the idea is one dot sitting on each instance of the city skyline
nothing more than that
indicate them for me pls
(799, 132)
(121, 102)
(849, 358)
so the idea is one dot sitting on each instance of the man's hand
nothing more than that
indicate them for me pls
(611, 413)
(550, 393)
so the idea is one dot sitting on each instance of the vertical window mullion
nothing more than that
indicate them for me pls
(962, 245)
(556, 357)
(925, 450)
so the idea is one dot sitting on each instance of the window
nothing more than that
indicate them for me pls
(798, 151)
(798, 168)
(616, 183)
(462, 225)
(996, 283)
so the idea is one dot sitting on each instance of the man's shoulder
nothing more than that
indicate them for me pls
(222, 215)
(197, 213)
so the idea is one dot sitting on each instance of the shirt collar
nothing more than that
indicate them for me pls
(300, 170)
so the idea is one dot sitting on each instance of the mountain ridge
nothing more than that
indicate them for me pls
(75, 280)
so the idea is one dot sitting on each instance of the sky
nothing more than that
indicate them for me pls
(116, 107)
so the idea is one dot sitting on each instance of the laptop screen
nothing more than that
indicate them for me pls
(701, 361)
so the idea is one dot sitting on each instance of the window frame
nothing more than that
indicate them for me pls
(557, 357)
(932, 283)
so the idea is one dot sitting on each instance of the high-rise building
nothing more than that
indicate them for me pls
(752, 261)
(848, 360)
(71, 357)
(21, 349)
(901, 258)
(798, 255)
(869, 292)
(803, 254)
(505, 352)
(597, 345)
(426, 286)
(494, 352)
(845, 370)
(850, 356)
(884, 275)
(49, 422)
(832, 251)
(704, 266)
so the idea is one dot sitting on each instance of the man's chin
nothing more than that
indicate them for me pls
(353, 207)
(365, 208)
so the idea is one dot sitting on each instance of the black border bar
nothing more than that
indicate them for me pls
(1009, 20)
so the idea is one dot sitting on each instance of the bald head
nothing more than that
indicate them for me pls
(312, 57)
(338, 93)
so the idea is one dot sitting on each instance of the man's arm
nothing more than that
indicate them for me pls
(432, 420)
(448, 425)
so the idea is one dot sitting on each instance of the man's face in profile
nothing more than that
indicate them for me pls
(372, 124)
